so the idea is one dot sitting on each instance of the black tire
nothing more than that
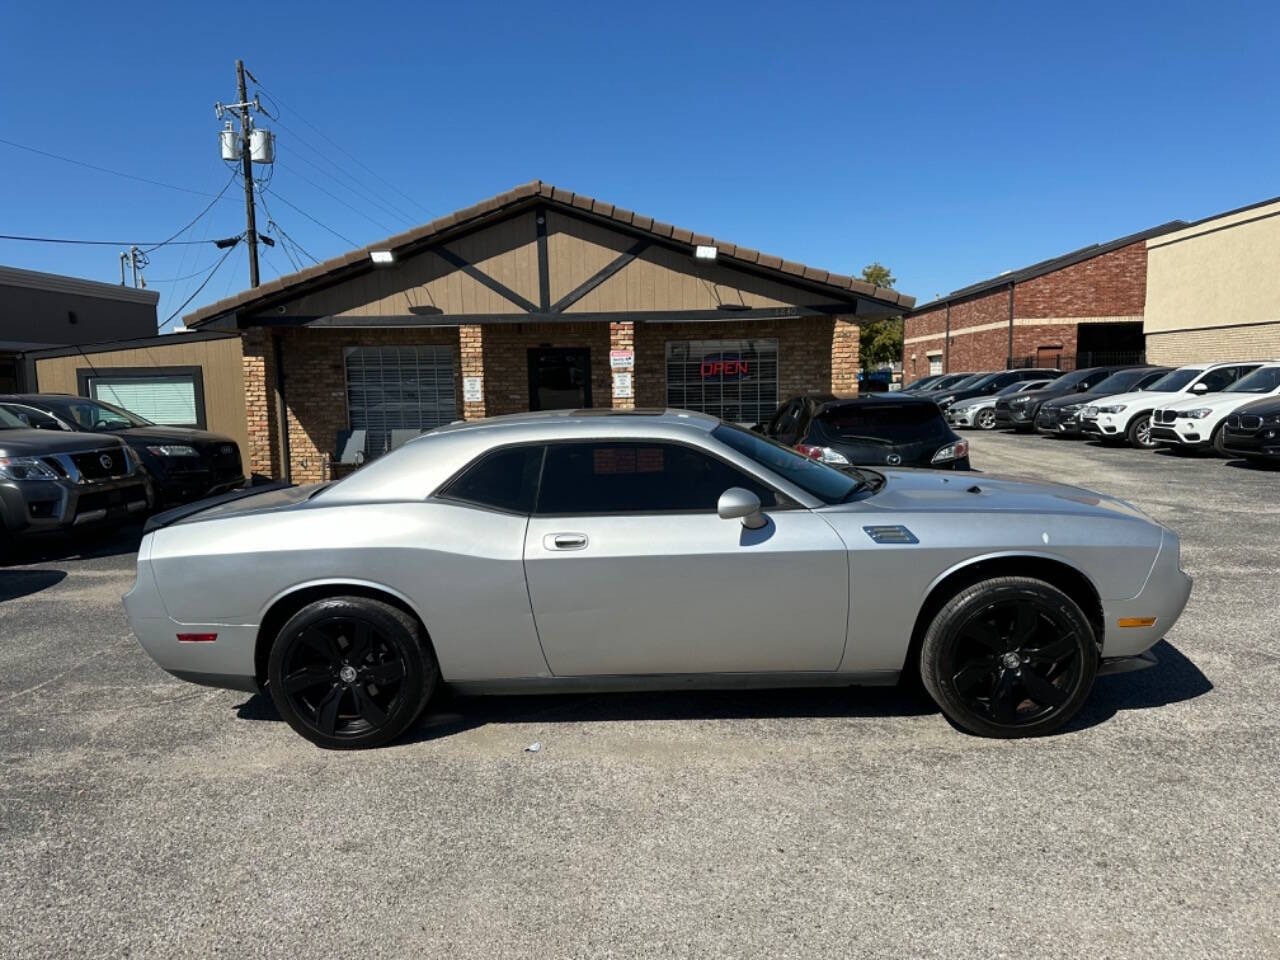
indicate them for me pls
(986, 419)
(998, 646)
(1139, 427)
(1218, 438)
(350, 673)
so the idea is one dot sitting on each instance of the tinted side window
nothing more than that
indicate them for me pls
(637, 478)
(504, 480)
(1216, 380)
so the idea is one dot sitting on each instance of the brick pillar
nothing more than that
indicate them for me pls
(844, 357)
(471, 353)
(622, 336)
(259, 362)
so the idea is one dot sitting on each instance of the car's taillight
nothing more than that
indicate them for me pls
(952, 451)
(814, 453)
(197, 637)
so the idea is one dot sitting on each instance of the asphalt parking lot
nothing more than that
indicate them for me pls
(142, 816)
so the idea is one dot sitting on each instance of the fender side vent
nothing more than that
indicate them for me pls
(891, 534)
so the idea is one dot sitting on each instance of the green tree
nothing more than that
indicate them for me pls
(880, 340)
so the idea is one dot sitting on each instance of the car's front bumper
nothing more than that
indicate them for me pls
(963, 416)
(1019, 417)
(1163, 598)
(1055, 422)
(1261, 443)
(1104, 425)
(1191, 434)
(45, 506)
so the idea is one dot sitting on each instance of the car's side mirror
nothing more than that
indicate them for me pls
(1200, 387)
(738, 504)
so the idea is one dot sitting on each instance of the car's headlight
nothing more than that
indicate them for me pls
(173, 450)
(26, 468)
(1089, 411)
(952, 451)
(1072, 407)
(1199, 413)
(1114, 408)
(1019, 401)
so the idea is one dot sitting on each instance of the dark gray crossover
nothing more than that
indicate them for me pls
(59, 481)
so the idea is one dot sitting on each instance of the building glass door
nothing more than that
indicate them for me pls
(559, 378)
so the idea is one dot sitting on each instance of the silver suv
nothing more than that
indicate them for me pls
(58, 481)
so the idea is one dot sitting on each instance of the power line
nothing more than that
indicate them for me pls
(114, 173)
(342, 150)
(197, 217)
(151, 280)
(295, 207)
(359, 189)
(105, 243)
(203, 283)
(378, 223)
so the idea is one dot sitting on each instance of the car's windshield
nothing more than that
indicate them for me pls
(1262, 380)
(1069, 380)
(826, 483)
(1175, 380)
(922, 382)
(94, 414)
(9, 422)
(966, 382)
(983, 380)
(949, 381)
(1120, 382)
(888, 422)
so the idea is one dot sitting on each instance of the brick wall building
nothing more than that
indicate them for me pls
(1083, 308)
(538, 298)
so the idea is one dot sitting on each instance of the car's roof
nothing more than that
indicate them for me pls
(639, 420)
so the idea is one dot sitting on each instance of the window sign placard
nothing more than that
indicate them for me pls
(622, 385)
(622, 359)
(473, 389)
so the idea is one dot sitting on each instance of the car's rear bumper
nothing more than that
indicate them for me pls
(227, 660)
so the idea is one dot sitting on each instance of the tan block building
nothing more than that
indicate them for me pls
(1213, 289)
(535, 299)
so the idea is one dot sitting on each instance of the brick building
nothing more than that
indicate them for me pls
(535, 299)
(1081, 309)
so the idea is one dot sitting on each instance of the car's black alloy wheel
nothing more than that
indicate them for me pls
(351, 672)
(1009, 657)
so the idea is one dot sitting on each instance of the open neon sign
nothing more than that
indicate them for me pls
(727, 368)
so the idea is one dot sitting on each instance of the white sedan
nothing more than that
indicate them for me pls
(1127, 416)
(1196, 423)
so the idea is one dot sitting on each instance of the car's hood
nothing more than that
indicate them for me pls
(1145, 397)
(1215, 401)
(165, 434)
(1067, 399)
(43, 443)
(933, 491)
(973, 403)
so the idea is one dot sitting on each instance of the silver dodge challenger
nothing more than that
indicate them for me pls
(596, 550)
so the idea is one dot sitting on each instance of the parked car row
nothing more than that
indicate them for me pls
(68, 462)
(1231, 408)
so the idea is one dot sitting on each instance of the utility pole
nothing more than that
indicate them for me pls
(246, 166)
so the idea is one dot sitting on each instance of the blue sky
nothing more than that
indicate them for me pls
(949, 141)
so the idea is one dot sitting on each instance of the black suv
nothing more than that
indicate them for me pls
(1019, 411)
(1061, 416)
(882, 429)
(66, 480)
(1253, 432)
(184, 464)
(987, 384)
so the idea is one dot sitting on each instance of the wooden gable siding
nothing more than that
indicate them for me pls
(659, 279)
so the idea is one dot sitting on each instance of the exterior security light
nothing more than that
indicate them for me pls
(381, 256)
(703, 252)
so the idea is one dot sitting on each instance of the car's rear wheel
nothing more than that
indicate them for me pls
(986, 419)
(1009, 657)
(351, 672)
(1140, 432)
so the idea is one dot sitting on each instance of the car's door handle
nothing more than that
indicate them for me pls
(564, 541)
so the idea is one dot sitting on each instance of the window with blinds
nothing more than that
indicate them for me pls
(736, 380)
(169, 399)
(398, 388)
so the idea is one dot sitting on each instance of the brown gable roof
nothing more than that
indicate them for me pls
(552, 196)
